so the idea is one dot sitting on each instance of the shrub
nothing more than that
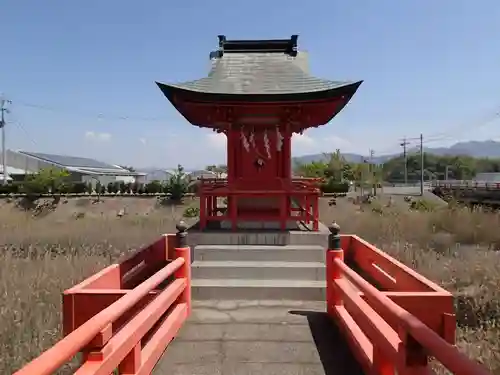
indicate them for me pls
(134, 188)
(153, 187)
(422, 205)
(332, 186)
(191, 212)
(11, 188)
(110, 188)
(78, 188)
(89, 188)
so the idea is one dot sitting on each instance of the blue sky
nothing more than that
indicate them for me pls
(81, 74)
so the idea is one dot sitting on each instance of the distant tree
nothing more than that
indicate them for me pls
(177, 184)
(315, 169)
(219, 170)
(47, 180)
(335, 165)
(130, 169)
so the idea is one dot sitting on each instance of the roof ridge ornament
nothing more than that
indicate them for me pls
(286, 46)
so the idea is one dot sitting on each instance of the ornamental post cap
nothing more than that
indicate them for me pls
(181, 226)
(334, 228)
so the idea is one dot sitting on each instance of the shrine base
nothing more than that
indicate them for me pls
(214, 234)
(255, 224)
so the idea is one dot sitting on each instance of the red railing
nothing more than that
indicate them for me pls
(385, 337)
(463, 184)
(132, 327)
(305, 191)
(124, 317)
(298, 183)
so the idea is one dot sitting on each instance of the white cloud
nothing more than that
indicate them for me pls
(217, 141)
(142, 140)
(101, 137)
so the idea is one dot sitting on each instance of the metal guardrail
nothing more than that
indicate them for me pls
(466, 184)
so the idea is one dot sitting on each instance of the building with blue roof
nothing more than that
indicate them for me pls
(21, 163)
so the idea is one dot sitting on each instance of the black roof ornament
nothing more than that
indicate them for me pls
(286, 46)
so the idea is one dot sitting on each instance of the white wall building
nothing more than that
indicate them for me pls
(80, 169)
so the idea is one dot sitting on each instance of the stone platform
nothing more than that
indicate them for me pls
(297, 234)
(258, 337)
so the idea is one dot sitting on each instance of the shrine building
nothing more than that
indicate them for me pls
(259, 93)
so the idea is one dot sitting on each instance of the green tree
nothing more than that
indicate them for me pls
(177, 185)
(316, 169)
(48, 180)
(130, 169)
(335, 165)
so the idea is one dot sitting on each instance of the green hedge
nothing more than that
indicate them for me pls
(332, 186)
(153, 187)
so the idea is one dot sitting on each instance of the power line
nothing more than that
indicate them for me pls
(99, 116)
(451, 133)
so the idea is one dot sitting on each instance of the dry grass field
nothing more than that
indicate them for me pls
(40, 257)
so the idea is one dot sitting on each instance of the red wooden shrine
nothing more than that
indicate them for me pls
(259, 93)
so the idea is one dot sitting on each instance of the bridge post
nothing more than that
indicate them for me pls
(333, 298)
(182, 250)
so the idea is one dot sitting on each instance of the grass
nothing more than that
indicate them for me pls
(41, 257)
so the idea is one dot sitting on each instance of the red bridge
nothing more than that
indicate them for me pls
(123, 318)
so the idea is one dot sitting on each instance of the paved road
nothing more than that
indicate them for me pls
(258, 337)
(404, 190)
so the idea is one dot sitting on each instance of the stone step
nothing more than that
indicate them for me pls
(252, 289)
(202, 269)
(260, 237)
(263, 253)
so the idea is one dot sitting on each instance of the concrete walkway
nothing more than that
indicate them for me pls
(258, 337)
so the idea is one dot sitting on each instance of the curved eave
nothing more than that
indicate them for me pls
(171, 91)
(176, 94)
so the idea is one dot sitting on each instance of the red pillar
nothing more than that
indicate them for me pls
(233, 214)
(214, 206)
(203, 211)
(283, 212)
(315, 212)
(307, 209)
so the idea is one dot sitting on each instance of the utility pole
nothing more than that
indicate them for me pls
(422, 167)
(372, 173)
(3, 110)
(403, 144)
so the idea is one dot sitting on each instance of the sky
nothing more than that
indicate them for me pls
(81, 75)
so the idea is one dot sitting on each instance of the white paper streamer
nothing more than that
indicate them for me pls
(266, 144)
(252, 139)
(244, 140)
(279, 140)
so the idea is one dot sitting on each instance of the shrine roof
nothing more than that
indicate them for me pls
(259, 76)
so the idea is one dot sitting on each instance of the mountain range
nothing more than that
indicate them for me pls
(477, 149)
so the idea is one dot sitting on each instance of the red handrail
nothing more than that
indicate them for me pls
(64, 350)
(434, 345)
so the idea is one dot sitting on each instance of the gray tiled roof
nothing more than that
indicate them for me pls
(259, 73)
(71, 161)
